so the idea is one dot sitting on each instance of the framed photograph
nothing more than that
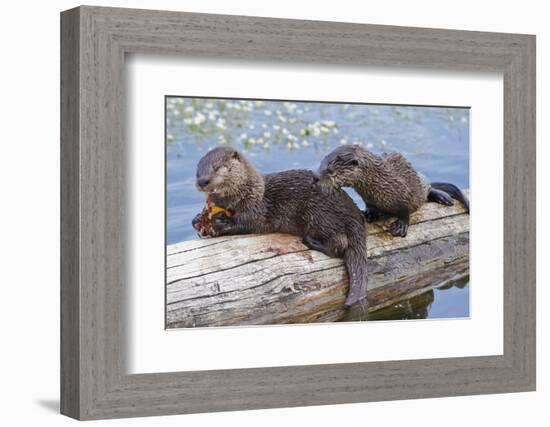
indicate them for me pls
(262, 213)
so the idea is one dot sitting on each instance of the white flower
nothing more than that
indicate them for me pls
(290, 107)
(243, 135)
(343, 141)
(199, 118)
(267, 135)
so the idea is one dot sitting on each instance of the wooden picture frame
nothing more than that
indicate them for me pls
(94, 382)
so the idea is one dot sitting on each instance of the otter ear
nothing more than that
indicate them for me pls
(236, 155)
(354, 162)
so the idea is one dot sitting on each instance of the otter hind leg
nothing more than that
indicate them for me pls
(372, 214)
(400, 226)
(439, 196)
(317, 245)
(333, 246)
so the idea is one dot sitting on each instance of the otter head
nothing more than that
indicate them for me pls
(221, 172)
(341, 167)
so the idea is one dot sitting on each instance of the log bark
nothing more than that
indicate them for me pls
(274, 278)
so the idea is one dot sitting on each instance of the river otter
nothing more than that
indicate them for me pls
(288, 202)
(388, 184)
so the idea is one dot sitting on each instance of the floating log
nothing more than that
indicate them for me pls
(274, 279)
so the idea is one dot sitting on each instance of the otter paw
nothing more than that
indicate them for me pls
(444, 199)
(197, 221)
(371, 215)
(222, 224)
(398, 228)
(315, 245)
(439, 196)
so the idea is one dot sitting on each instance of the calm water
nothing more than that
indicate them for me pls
(445, 302)
(288, 135)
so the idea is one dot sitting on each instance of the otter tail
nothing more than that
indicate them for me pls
(355, 258)
(453, 191)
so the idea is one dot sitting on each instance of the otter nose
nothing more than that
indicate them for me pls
(203, 182)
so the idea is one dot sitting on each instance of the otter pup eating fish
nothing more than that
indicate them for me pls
(288, 202)
(388, 184)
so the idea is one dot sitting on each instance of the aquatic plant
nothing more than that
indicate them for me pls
(262, 125)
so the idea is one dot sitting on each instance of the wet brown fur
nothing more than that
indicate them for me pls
(289, 202)
(388, 184)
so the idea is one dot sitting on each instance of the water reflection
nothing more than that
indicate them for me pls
(447, 301)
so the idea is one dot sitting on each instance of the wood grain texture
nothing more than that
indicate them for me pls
(274, 278)
(95, 274)
(70, 291)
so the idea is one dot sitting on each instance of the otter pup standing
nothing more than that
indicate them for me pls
(289, 202)
(387, 183)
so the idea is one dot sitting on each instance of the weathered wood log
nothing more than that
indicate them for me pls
(274, 278)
